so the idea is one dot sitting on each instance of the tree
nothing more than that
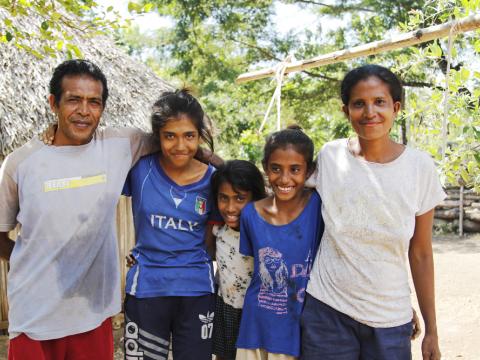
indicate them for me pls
(44, 27)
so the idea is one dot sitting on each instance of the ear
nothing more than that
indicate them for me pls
(397, 106)
(265, 167)
(345, 110)
(52, 102)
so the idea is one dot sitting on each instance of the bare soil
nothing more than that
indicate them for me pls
(457, 267)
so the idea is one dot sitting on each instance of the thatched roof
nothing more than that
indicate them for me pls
(24, 81)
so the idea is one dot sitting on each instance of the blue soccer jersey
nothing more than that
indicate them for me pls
(283, 256)
(170, 222)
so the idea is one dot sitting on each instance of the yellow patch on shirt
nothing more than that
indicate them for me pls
(73, 183)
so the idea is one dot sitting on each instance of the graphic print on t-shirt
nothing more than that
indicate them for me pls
(177, 196)
(274, 275)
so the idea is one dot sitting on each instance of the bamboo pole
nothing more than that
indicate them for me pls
(395, 42)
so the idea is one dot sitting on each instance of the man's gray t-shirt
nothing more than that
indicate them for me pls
(64, 269)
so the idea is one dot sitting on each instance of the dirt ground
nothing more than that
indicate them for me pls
(457, 267)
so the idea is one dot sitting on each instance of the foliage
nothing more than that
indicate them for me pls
(53, 25)
(213, 41)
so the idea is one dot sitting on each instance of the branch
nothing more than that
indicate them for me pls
(419, 84)
(334, 7)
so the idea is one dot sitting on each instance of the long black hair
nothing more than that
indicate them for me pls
(172, 104)
(241, 175)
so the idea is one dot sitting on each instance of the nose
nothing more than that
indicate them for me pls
(284, 177)
(83, 108)
(180, 144)
(230, 207)
(369, 111)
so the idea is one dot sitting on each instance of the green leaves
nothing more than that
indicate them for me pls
(55, 19)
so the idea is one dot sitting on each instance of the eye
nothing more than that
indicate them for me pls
(358, 103)
(168, 136)
(96, 102)
(274, 169)
(241, 198)
(380, 101)
(190, 136)
(222, 198)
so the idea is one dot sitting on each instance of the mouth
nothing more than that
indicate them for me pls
(370, 123)
(285, 189)
(231, 218)
(81, 124)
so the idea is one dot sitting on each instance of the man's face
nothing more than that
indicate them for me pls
(79, 109)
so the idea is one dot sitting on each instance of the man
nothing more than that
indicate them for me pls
(64, 284)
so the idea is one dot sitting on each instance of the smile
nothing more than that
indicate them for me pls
(82, 125)
(370, 123)
(285, 189)
(231, 218)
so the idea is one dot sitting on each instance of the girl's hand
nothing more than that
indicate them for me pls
(430, 348)
(48, 135)
(130, 260)
(417, 328)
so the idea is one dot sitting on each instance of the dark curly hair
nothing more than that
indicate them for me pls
(77, 67)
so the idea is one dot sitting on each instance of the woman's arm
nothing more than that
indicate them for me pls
(421, 264)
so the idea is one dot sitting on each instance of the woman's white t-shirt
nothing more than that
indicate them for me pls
(369, 211)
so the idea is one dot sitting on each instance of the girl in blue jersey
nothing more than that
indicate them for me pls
(170, 287)
(234, 185)
(281, 232)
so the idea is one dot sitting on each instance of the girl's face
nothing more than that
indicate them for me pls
(179, 141)
(287, 172)
(371, 109)
(231, 202)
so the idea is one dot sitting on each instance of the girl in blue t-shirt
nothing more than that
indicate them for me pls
(282, 233)
(234, 185)
(170, 287)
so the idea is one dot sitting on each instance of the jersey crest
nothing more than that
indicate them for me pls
(200, 205)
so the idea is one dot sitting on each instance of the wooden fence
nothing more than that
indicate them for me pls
(126, 240)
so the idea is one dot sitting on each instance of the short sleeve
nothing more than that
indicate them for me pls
(245, 236)
(9, 204)
(431, 191)
(141, 143)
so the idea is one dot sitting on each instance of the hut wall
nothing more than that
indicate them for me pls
(126, 240)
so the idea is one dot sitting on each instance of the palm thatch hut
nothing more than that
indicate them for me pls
(24, 109)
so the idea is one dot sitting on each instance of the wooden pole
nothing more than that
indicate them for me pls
(395, 42)
(460, 213)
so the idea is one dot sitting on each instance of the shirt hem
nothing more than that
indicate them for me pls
(268, 349)
(159, 294)
(51, 335)
(372, 324)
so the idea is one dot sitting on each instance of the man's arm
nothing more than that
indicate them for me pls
(6, 246)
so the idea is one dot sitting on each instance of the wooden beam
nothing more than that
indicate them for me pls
(395, 42)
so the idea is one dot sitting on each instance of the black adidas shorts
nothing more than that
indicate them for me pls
(149, 323)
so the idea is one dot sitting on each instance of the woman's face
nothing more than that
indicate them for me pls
(179, 141)
(371, 109)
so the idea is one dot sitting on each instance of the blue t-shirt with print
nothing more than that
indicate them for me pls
(283, 256)
(170, 222)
